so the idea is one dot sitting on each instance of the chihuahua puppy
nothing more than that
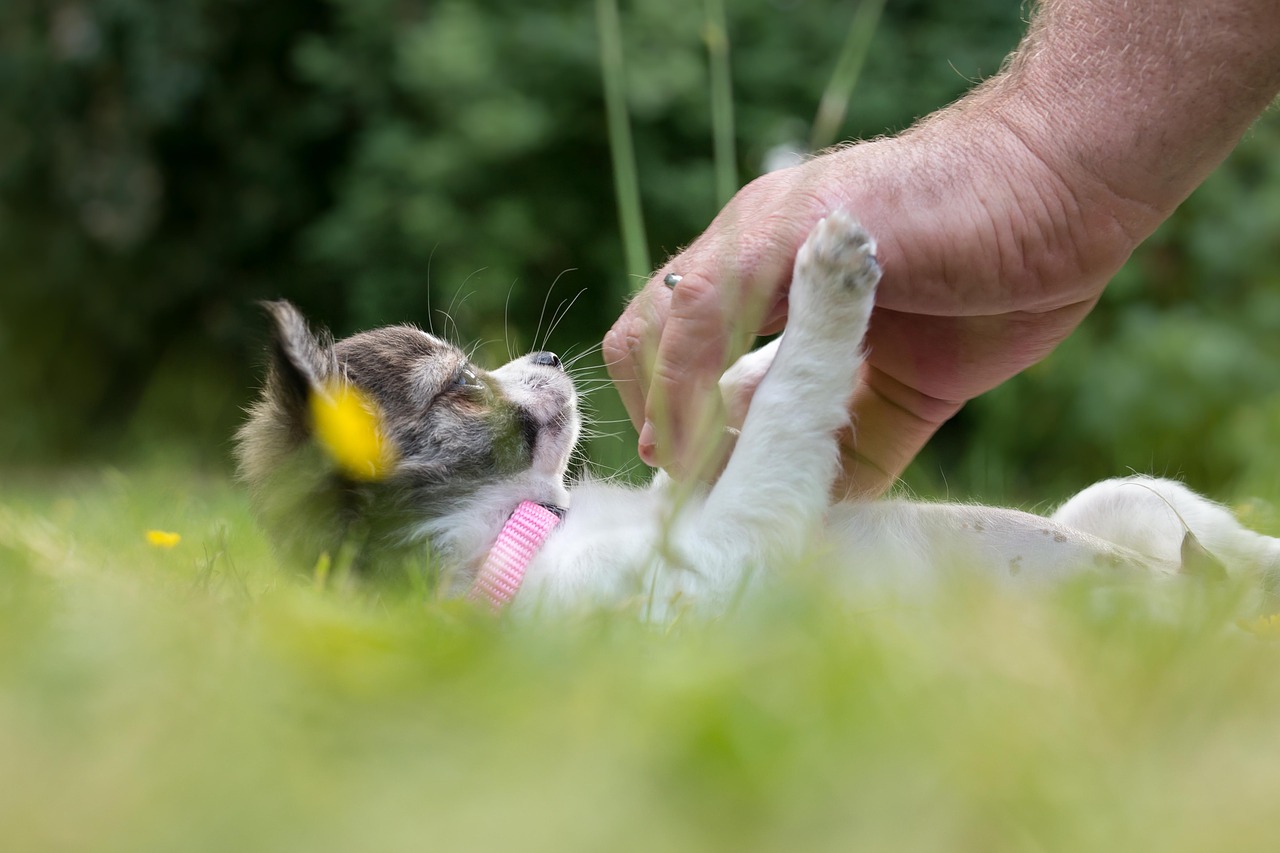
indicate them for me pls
(474, 449)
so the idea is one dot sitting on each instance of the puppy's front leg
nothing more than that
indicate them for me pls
(775, 488)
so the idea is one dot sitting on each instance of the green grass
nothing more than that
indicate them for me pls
(198, 698)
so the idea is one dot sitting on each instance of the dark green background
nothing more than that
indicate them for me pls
(165, 163)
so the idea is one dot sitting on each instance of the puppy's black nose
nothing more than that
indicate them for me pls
(546, 359)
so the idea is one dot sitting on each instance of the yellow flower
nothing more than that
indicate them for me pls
(1264, 626)
(163, 538)
(349, 428)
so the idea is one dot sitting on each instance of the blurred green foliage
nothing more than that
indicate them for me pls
(165, 164)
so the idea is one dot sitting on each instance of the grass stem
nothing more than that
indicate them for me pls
(716, 36)
(625, 174)
(835, 99)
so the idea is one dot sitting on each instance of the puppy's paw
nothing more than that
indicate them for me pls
(833, 286)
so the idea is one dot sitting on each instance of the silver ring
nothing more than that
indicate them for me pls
(671, 280)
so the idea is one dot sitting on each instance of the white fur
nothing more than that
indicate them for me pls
(1151, 516)
(670, 547)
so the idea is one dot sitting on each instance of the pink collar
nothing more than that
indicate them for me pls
(499, 578)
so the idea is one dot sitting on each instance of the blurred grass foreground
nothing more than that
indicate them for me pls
(165, 686)
(195, 698)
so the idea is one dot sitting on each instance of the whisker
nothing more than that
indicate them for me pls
(618, 381)
(470, 351)
(572, 361)
(587, 391)
(611, 421)
(448, 312)
(457, 303)
(431, 257)
(557, 320)
(599, 433)
(506, 330)
(617, 361)
(587, 375)
(586, 371)
(546, 298)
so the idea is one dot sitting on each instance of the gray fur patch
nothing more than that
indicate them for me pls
(451, 426)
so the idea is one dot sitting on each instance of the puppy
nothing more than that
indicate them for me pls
(477, 490)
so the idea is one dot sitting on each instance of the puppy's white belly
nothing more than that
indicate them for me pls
(908, 548)
(605, 552)
(622, 548)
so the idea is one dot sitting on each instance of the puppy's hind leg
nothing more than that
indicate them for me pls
(1155, 517)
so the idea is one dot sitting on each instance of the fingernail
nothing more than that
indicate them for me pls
(648, 445)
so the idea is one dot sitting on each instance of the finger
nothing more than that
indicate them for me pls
(630, 346)
(691, 355)
(734, 277)
(726, 294)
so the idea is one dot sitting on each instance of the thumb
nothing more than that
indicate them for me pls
(890, 423)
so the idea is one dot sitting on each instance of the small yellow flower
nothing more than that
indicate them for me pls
(348, 427)
(163, 538)
(1264, 626)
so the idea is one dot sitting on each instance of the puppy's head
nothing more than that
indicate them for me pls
(464, 445)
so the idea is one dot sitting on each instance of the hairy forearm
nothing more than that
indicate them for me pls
(1145, 97)
(1037, 186)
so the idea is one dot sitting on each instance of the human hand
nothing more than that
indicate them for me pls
(999, 221)
(989, 261)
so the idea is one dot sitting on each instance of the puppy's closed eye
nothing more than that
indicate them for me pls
(465, 384)
(468, 379)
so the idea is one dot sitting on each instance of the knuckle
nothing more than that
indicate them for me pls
(616, 344)
(622, 347)
(669, 373)
(695, 296)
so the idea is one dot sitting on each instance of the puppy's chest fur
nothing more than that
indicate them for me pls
(470, 445)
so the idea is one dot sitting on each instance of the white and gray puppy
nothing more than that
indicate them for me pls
(472, 445)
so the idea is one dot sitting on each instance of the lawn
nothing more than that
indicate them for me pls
(196, 697)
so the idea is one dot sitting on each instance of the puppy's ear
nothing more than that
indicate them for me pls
(300, 360)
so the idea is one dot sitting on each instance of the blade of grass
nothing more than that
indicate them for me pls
(716, 36)
(835, 99)
(625, 174)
